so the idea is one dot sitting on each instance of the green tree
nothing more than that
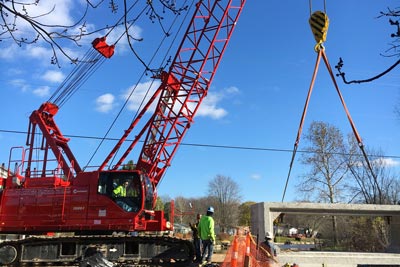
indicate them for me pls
(159, 204)
(129, 166)
(245, 213)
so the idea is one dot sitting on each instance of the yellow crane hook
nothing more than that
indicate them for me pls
(319, 23)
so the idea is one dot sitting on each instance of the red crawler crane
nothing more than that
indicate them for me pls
(88, 204)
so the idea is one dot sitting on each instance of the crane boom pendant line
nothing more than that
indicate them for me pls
(319, 25)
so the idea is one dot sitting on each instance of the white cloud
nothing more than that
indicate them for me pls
(386, 162)
(122, 45)
(105, 103)
(64, 13)
(53, 76)
(381, 162)
(255, 176)
(42, 91)
(140, 91)
(209, 107)
(48, 12)
(14, 72)
(210, 104)
(36, 51)
(20, 84)
(232, 90)
(8, 51)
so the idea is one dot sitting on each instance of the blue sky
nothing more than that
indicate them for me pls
(256, 98)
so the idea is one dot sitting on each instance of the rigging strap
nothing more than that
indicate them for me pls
(303, 116)
(321, 52)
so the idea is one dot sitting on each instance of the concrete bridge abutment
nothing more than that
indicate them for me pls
(263, 215)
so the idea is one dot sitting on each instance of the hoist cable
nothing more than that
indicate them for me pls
(89, 63)
(80, 73)
(160, 67)
(162, 62)
(85, 77)
(57, 95)
(300, 129)
(131, 22)
(310, 5)
(136, 85)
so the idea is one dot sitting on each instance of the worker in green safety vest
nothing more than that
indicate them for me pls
(207, 235)
(120, 191)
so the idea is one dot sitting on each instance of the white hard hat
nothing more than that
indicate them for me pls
(268, 235)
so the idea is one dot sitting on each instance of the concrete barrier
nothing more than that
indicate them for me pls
(339, 259)
(264, 213)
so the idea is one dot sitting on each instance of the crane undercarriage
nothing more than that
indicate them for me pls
(97, 251)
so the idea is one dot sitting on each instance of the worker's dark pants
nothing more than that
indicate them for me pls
(208, 248)
(197, 248)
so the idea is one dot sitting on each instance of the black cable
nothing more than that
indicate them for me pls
(137, 83)
(342, 74)
(217, 146)
(90, 63)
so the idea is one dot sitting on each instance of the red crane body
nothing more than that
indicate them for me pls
(53, 193)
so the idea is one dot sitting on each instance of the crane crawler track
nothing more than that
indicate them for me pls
(97, 251)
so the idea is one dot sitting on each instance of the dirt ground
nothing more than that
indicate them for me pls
(216, 258)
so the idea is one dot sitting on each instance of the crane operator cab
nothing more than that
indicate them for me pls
(131, 190)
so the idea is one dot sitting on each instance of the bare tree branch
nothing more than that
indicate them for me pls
(391, 52)
(14, 14)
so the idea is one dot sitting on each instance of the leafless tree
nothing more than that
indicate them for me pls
(28, 22)
(226, 194)
(325, 181)
(381, 188)
(183, 210)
